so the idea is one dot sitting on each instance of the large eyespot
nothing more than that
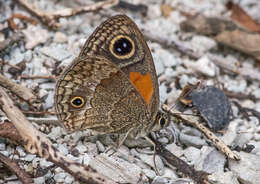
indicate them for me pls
(122, 47)
(77, 102)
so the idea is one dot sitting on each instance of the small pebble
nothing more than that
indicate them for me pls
(100, 146)
(20, 150)
(44, 163)
(2, 147)
(60, 37)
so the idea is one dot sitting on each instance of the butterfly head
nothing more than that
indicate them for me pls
(162, 121)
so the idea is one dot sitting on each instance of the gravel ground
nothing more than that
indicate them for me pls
(46, 52)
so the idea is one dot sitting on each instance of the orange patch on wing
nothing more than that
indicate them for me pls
(143, 84)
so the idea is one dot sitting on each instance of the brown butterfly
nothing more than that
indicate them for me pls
(111, 87)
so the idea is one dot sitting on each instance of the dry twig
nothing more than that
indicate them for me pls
(15, 38)
(17, 89)
(51, 18)
(52, 77)
(14, 167)
(22, 17)
(36, 142)
(191, 120)
(197, 176)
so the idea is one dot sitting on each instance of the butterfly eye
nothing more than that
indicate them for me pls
(77, 102)
(122, 47)
(163, 120)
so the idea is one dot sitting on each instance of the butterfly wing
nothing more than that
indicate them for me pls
(120, 41)
(94, 93)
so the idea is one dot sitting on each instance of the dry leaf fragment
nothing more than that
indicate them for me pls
(240, 17)
(166, 10)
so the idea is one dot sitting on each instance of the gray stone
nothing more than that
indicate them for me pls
(223, 178)
(29, 157)
(86, 159)
(192, 154)
(163, 92)
(184, 79)
(35, 35)
(160, 180)
(149, 173)
(158, 66)
(116, 168)
(2, 147)
(59, 54)
(47, 85)
(238, 86)
(176, 150)
(204, 65)
(191, 140)
(16, 56)
(168, 59)
(60, 37)
(148, 159)
(39, 180)
(191, 131)
(81, 148)
(49, 100)
(28, 56)
(59, 177)
(63, 149)
(68, 179)
(202, 44)
(247, 169)
(231, 134)
(211, 160)
(5, 153)
(242, 139)
(163, 180)
(169, 73)
(100, 146)
(20, 150)
(55, 133)
(256, 150)
(44, 163)
(43, 93)
(170, 173)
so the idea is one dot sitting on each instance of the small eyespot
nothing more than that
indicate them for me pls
(122, 47)
(77, 102)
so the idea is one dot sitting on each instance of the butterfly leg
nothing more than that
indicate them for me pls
(154, 153)
(119, 143)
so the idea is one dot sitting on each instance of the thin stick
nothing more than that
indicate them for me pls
(192, 121)
(21, 91)
(14, 167)
(197, 176)
(11, 41)
(50, 19)
(52, 77)
(38, 143)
